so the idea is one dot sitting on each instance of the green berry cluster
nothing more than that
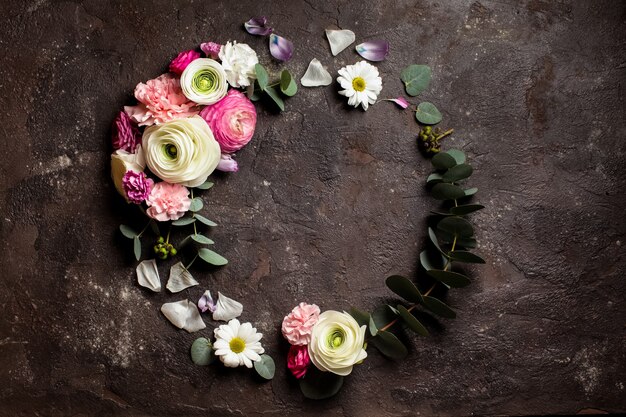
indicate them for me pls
(429, 138)
(163, 249)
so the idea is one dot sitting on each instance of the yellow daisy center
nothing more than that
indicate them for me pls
(358, 83)
(237, 344)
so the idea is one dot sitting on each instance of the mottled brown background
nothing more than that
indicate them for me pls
(327, 203)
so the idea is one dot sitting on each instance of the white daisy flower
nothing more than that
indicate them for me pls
(237, 344)
(361, 84)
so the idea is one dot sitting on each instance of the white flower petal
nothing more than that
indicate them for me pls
(339, 39)
(184, 315)
(180, 278)
(316, 75)
(148, 275)
(226, 308)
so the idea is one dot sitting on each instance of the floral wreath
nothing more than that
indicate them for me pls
(191, 121)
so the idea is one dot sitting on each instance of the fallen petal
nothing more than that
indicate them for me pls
(376, 50)
(339, 39)
(227, 164)
(258, 26)
(226, 308)
(316, 75)
(400, 101)
(206, 302)
(184, 315)
(180, 278)
(280, 48)
(148, 275)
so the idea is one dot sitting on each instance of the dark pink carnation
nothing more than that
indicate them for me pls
(298, 360)
(178, 65)
(211, 49)
(232, 120)
(137, 186)
(126, 134)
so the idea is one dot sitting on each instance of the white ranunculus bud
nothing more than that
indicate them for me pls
(238, 60)
(337, 343)
(181, 151)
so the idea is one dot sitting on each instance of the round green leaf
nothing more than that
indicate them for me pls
(271, 91)
(415, 78)
(439, 307)
(457, 226)
(318, 385)
(466, 209)
(411, 321)
(288, 85)
(202, 239)
(443, 161)
(196, 204)
(372, 327)
(427, 114)
(383, 315)
(127, 231)
(183, 221)
(204, 220)
(433, 238)
(457, 173)
(361, 317)
(261, 76)
(470, 191)
(404, 288)
(211, 257)
(444, 191)
(205, 185)
(155, 227)
(466, 242)
(467, 257)
(452, 279)
(265, 367)
(202, 352)
(458, 155)
(434, 178)
(137, 247)
(389, 345)
(433, 260)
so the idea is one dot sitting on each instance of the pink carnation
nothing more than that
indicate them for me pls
(211, 49)
(298, 324)
(137, 186)
(298, 360)
(160, 100)
(178, 65)
(126, 135)
(168, 201)
(232, 120)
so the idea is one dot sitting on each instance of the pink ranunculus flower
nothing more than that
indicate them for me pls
(178, 64)
(126, 135)
(160, 100)
(137, 186)
(298, 360)
(232, 120)
(168, 201)
(211, 49)
(298, 324)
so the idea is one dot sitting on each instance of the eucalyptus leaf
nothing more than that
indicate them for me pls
(205, 185)
(444, 191)
(202, 352)
(155, 228)
(434, 178)
(403, 287)
(458, 172)
(466, 209)
(443, 161)
(137, 247)
(361, 317)
(416, 78)
(458, 155)
(288, 85)
(411, 321)
(265, 367)
(428, 114)
(271, 91)
(383, 315)
(456, 226)
(467, 257)
(211, 257)
(453, 279)
(438, 307)
(466, 242)
(261, 76)
(183, 221)
(433, 238)
(431, 260)
(202, 239)
(470, 191)
(373, 329)
(318, 385)
(204, 220)
(196, 204)
(389, 345)
(127, 231)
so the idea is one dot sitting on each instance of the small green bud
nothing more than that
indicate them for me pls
(160, 239)
(173, 252)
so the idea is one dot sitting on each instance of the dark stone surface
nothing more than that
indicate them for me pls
(327, 203)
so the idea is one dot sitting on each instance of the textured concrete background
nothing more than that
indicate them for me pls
(327, 203)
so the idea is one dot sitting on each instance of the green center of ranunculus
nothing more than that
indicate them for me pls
(335, 338)
(204, 81)
(170, 151)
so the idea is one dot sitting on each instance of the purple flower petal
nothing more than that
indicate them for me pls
(280, 48)
(227, 164)
(400, 101)
(376, 50)
(206, 302)
(257, 26)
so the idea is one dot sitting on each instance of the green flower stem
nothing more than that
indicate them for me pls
(167, 239)
(191, 263)
(269, 85)
(144, 229)
(193, 215)
(446, 133)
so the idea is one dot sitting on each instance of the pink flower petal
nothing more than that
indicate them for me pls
(280, 48)
(376, 50)
(400, 101)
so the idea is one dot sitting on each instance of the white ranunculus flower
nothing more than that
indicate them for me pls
(204, 81)
(122, 162)
(238, 60)
(337, 343)
(181, 151)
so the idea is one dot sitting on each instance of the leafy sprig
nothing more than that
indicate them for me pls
(287, 87)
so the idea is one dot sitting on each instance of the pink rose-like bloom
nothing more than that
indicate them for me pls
(298, 360)
(160, 100)
(178, 64)
(126, 135)
(137, 186)
(211, 49)
(232, 120)
(168, 201)
(298, 324)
